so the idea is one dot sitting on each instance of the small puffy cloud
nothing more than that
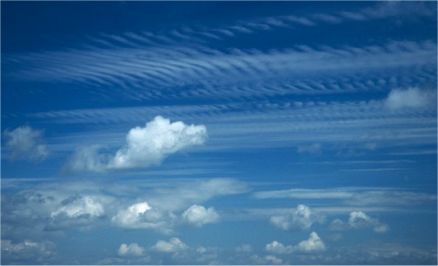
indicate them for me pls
(145, 146)
(132, 249)
(302, 218)
(172, 246)
(25, 143)
(410, 98)
(199, 215)
(358, 220)
(279, 248)
(140, 216)
(312, 244)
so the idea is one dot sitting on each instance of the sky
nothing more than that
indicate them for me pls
(219, 132)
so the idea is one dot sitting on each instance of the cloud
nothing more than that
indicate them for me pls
(145, 146)
(410, 98)
(302, 218)
(165, 205)
(279, 248)
(359, 220)
(25, 143)
(312, 244)
(80, 206)
(142, 216)
(132, 249)
(353, 195)
(198, 215)
(172, 246)
(273, 259)
(26, 251)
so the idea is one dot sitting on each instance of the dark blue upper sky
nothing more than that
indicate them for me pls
(219, 132)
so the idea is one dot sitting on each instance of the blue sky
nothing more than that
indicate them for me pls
(219, 133)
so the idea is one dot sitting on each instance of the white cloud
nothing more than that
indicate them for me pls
(410, 98)
(273, 260)
(173, 245)
(25, 143)
(353, 195)
(141, 216)
(312, 244)
(199, 215)
(145, 146)
(359, 220)
(279, 248)
(302, 218)
(83, 206)
(132, 249)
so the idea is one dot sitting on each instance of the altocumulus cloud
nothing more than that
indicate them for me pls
(145, 146)
(25, 143)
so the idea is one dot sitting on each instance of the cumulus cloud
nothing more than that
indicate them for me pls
(410, 98)
(141, 216)
(199, 215)
(300, 218)
(172, 246)
(358, 220)
(145, 146)
(132, 249)
(312, 244)
(25, 143)
(279, 248)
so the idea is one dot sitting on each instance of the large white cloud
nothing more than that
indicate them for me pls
(145, 146)
(359, 220)
(25, 143)
(199, 215)
(300, 218)
(132, 249)
(172, 246)
(410, 98)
